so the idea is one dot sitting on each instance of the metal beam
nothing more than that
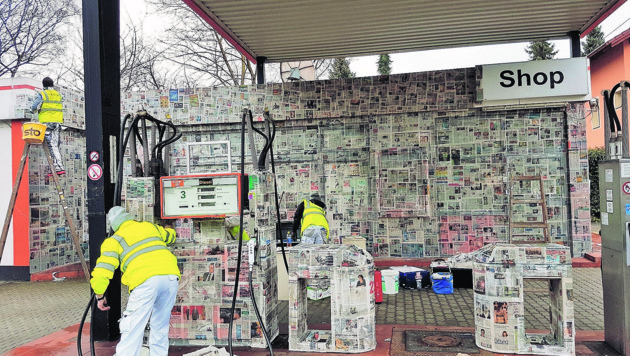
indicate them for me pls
(260, 70)
(101, 30)
(575, 48)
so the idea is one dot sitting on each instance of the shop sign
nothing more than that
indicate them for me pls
(536, 79)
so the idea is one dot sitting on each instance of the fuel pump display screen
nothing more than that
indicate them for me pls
(200, 196)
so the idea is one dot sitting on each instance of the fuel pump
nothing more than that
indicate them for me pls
(614, 188)
(245, 271)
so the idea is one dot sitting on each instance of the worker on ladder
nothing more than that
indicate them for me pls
(48, 103)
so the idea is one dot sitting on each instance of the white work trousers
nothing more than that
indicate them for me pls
(314, 234)
(152, 299)
(52, 136)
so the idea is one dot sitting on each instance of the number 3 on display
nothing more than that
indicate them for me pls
(183, 194)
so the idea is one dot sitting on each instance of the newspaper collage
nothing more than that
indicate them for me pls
(202, 312)
(393, 156)
(138, 193)
(50, 236)
(498, 273)
(464, 206)
(349, 271)
(408, 153)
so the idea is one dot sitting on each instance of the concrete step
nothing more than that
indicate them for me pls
(594, 256)
(582, 262)
(74, 270)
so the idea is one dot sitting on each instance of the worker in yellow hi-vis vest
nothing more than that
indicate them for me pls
(48, 103)
(311, 216)
(233, 226)
(139, 249)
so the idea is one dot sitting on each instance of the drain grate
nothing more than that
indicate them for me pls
(439, 341)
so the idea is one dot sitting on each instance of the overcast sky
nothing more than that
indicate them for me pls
(410, 62)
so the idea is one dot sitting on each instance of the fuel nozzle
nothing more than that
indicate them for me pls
(251, 252)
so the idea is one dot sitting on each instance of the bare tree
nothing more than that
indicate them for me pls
(139, 62)
(30, 32)
(192, 43)
(322, 68)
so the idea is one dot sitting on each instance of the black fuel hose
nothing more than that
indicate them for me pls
(612, 112)
(240, 239)
(80, 332)
(261, 157)
(275, 187)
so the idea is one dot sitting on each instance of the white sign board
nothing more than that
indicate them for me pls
(536, 79)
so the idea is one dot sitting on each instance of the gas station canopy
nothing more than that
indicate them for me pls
(281, 30)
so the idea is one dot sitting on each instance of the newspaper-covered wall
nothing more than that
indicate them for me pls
(51, 240)
(405, 161)
(138, 195)
(498, 273)
(349, 271)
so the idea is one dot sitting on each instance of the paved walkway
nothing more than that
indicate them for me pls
(32, 310)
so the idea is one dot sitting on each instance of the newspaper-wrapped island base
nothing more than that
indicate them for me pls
(498, 274)
(350, 272)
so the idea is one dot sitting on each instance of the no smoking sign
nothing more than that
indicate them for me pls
(95, 172)
(94, 156)
(626, 187)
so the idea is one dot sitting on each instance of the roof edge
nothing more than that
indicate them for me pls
(602, 17)
(611, 43)
(223, 32)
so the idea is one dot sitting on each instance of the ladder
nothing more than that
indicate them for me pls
(528, 224)
(62, 200)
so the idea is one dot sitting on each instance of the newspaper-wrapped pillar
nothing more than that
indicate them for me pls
(498, 272)
(350, 271)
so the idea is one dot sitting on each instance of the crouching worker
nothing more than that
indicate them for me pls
(310, 216)
(150, 271)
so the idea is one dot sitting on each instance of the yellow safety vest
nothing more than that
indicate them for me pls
(314, 215)
(139, 249)
(234, 231)
(52, 107)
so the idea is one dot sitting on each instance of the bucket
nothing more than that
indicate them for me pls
(390, 281)
(33, 132)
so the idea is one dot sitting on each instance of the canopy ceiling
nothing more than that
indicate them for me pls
(281, 30)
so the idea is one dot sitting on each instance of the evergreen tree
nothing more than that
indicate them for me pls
(341, 69)
(541, 50)
(593, 40)
(384, 64)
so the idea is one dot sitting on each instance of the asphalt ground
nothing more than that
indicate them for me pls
(32, 310)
